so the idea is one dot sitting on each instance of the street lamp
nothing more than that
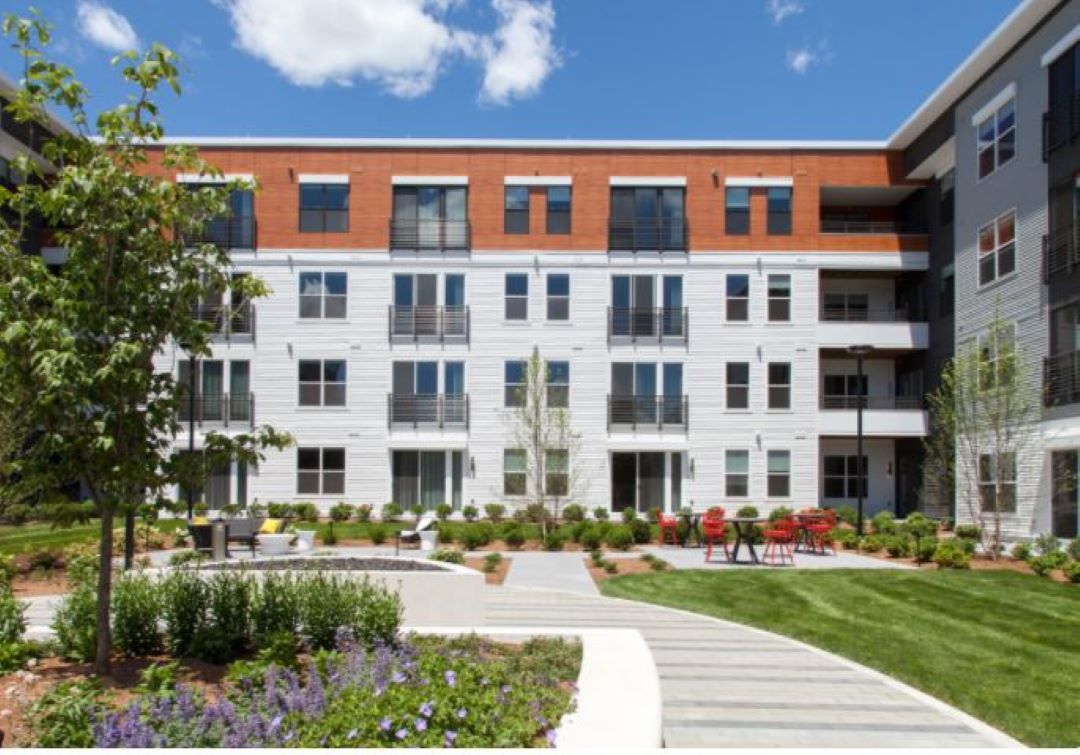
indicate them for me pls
(860, 352)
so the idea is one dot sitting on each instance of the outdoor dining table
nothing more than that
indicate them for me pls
(744, 533)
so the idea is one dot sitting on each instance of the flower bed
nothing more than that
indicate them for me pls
(328, 564)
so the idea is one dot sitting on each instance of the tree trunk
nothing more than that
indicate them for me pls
(129, 540)
(102, 665)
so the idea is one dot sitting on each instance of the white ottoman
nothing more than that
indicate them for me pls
(274, 545)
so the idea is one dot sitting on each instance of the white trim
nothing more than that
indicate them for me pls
(1061, 46)
(756, 181)
(538, 180)
(996, 102)
(430, 180)
(648, 181)
(199, 178)
(323, 178)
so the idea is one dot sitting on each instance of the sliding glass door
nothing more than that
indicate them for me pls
(428, 478)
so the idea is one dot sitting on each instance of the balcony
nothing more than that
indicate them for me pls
(219, 408)
(882, 326)
(856, 313)
(871, 402)
(648, 234)
(235, 232)
(883, 416)
(437, 234)
(635, 324)
(429, 323)
(648, 412)
(226, 321)
(1061, 124)
(870, 219)
(1061, 378)
(1061, 252)
(435, 410)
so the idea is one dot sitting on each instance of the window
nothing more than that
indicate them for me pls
(558, 296)
(847, 307)
(738, 385)
(558, 209)
(517, 296)
(514, 471)
(558, 385)
(841, 391)
(997, 138)
(946, 197)
(997, 248)
(322, 382)
(996, 356)
(994, 494)
(947, 290)
(738, 298)
(736, 474)
(557, 471)
(779, 474)
(737, 211)
(516, 214)
(648, 218)
(779, 385)
(320, 471)
(323, 296)
(841, 476)
(779, 215)
(514, 383)
(324, 208)
(430, 217)
(779, 298)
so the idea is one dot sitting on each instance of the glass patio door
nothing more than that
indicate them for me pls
(1063, 503)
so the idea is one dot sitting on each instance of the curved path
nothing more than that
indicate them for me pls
(726, 685)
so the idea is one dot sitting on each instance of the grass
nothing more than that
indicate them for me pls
(1002, 646)
(38, 536)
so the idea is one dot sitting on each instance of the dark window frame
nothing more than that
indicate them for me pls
(779, 204)
(560, 222)
(516, 218)
(322, 210)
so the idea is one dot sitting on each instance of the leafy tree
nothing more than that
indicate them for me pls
(80, 342)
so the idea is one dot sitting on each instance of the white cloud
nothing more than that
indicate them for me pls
(800, 60)
(105, 27)
(400, 45)
(781, 9)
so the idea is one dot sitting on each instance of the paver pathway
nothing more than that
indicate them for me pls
(725, 685)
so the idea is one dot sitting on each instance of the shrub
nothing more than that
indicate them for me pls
(136, 608)
(477, 536)
(597, 557)
(448, 556)
(619, 538)
(491, 562)
(65, 715)
(186, 558)
(16, 514)
(279, 510)
(201, 508)
(966, 543)
(12, 618)
(226, 630)
(918, 526)
(967, 532)
(628, 515)
(470, 513)
(377, 533)
(75, 623)
(390, 512)
(871, 544)
(328, 536)
(495, 512)
(341, 512)
(306, 512)
(257, 510)
(847, 514)
(641, 531)
(573, 512)
(601, 514)
(1057, 558)
(1043, 565)
(14, 656)
(898, 546)
(184, 610)
(331, 602)
(443, 511)
(654, 514)
(748, 511)
(884, 523)
(554, 541)
(1073, 549)
(535, 513)
(45, 559)
(950, 554)
(363, 512)
(577, 529)
(1072, 571)
(417, 510)
(847, 538)
(513, 536)
(925, 548)
(779, 513)
(275, 607)
(1046, 544)
(1021, 551)
(7, 571)
(658, 564)
(611, 567)
(592, 537)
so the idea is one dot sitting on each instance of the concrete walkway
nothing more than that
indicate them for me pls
(725, 685)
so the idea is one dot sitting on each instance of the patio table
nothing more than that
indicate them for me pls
(744, 533)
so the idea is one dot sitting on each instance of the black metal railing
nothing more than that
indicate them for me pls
(1061, 251)
(235, 232)
(864, 227)
(221, 408)
(1061, 378)
(651, 412)
(1061, 124)
(642, 323)
(872, 402)
(850, 313)
(435, 234)
(438, 410)
(429, 321)
(648, 234)
(228, 321)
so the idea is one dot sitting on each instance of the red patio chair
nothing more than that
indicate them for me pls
(669, 525)
(780, 541)
(714, 530)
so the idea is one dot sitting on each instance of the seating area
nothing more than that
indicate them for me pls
(257, 534)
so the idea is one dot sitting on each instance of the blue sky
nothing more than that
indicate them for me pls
(660, 69)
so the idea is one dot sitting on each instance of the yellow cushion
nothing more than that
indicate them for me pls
(200, 520)
(270, 527)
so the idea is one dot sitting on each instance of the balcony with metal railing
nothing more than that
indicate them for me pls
(883, 416)
(218, 408)
(429, 323)
(637, 324)
(1061, 124)
(649, 413)
(430, 234)
(872, 402)
(431, 411)
(233, 232)
(648, 234)
(1061, 251)
(1061, 379)
(227, 321)
(858, 313)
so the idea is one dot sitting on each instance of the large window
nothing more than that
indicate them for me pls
(997, 138)
(842, 477)
(557, 472)
(420, 477)
(558, 385)
(779, 385)
(322, 382)
(320, 471)
(558, 296)
(779, 474)
(517, 296)
(779, 298)
(648, 218)
(514, 383)
(738, 297)
(997, 248)
(737, 211)
(516, 213)
(323, 296)
(995, 494)
(997, 355)
(430, 217)
(841, 391)
(736, 473)
(324, 208)
(514, 471)
(738, 385)
(558, 209)
(779, 211)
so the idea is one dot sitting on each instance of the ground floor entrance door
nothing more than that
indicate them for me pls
(1063, 502)
(642, 480)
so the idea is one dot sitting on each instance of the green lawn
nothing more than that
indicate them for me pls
(1002, 646)
(36, 536)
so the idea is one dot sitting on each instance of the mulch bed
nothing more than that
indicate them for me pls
(626, 566)
(978, 563)
(496, 577)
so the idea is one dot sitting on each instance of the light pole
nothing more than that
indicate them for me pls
(860, 352)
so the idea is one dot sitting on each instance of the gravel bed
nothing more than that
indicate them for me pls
(328, 564)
